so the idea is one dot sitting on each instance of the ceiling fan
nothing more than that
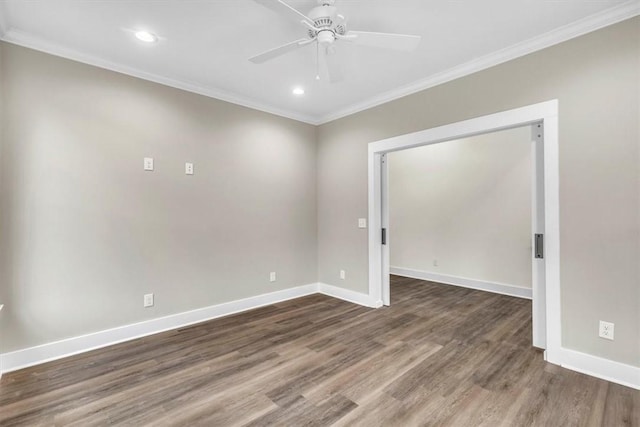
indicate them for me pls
(325, 26)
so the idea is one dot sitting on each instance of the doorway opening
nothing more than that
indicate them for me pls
(542, 119)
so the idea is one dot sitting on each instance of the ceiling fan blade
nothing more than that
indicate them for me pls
(402, 42)
(281, 7)
(330, 65)
(281, 50)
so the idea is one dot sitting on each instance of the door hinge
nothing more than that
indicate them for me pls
(384, 236)
(539, 246)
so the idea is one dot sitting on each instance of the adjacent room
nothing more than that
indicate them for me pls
(460, 213)
(319, 212)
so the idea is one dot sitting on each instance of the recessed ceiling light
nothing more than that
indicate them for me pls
(298, 91)
(146, 36)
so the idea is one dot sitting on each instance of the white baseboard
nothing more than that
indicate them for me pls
(1, 370)
(599, 367)
(68, 347)
(348, 295)
(56, 350)
(482, 285)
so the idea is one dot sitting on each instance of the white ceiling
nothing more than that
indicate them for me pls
(205, 44)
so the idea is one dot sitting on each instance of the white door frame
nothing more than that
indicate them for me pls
(546, 310)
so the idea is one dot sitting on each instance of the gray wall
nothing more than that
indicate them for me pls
(3, 288)
(467, 204)
(595, 78)
(86, 232)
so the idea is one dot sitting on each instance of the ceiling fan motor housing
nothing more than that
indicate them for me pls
(325, 22)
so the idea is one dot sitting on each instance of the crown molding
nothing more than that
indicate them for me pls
(23, 39)
(578, 28)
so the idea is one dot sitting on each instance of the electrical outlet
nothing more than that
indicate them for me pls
(272, 276)
(148, 163)
(435, 262)
(148, 300)
(606, 330)
(362, 222)
(343, 274)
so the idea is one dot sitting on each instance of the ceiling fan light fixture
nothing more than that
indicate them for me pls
(326, 37)
(146, 36)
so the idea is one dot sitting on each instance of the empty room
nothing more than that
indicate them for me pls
(319, 212)
(460, 213)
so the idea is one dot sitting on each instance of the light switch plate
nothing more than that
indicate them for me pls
(148, 163)
(362, 222)
(272, 276)
(188, 168)
(148, 300)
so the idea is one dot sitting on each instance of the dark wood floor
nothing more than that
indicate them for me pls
(440, 355)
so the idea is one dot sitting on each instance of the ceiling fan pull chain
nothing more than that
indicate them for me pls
(317, 61)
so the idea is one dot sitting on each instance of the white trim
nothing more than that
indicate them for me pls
(24, 358)
(538, 294)
(552, 303)
(578, 28)
(599, 367)
(482, 285)
(68, 347)
(348, 295)
(545, 113)
(384, 223)
(467, 128)
(32, 42)
(1, 370)
(374, 178)
(608, 370)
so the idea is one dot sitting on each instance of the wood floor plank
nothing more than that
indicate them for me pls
(440, 355)
(357, 383)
